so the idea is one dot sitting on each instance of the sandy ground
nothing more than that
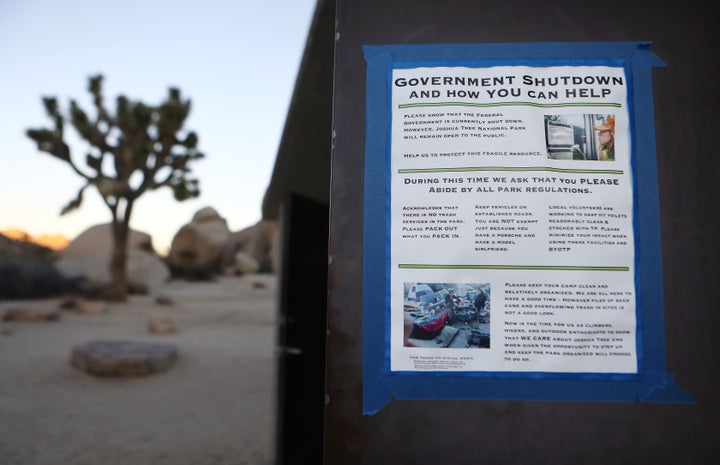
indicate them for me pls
(215, 406)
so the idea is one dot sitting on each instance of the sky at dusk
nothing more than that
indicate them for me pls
(236, 61)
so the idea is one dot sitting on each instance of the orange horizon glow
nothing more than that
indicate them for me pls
(51, 241)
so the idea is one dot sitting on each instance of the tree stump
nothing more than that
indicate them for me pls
(123, 358)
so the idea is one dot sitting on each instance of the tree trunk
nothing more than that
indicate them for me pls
(118, 262)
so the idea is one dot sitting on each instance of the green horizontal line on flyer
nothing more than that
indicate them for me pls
(513, 267)
(506, 168)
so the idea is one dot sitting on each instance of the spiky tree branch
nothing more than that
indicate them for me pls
(139, 148)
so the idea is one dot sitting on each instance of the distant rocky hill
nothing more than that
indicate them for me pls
(27, 271)
(22, 249)
(51, 241)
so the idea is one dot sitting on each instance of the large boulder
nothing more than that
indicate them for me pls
(89, 254)
(99, 239)
(251, 249)
(198, 244)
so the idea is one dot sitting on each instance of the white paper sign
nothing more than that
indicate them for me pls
(513, 182)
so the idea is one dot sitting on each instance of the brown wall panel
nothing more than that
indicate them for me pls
(458, 432)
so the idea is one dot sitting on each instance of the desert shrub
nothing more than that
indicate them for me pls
(29, 279)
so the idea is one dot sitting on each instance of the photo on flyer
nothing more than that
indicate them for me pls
(580, 137)
(449, 315)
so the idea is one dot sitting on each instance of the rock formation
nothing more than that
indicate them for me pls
(89, 255)
(206, 247)
(197, 245)
(250, 250)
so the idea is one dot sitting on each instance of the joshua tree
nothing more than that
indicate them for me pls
(138, 149)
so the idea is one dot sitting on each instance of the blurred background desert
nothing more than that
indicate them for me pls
(214, 405)
(201, 262)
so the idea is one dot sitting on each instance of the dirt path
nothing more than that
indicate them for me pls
(214, 407)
